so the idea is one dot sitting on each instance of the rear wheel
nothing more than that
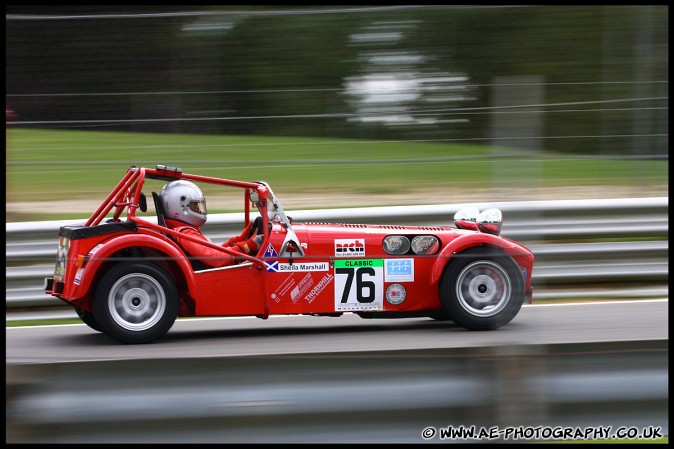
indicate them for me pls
(88, 319)
(136, 302)
(482, 289)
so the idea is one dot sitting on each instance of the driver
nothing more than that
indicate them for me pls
(185, 212)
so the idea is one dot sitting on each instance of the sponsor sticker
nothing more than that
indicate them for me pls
(349, 248)
(305, 284)
(399, 270)
(78, 276)
(396, 294)
(282, 289)
(270, 252)
(319, 287)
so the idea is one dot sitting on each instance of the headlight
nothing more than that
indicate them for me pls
(490, 221)
(396, 244)
(425, 244)
(466, 218)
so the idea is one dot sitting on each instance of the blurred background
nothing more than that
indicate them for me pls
(369, 105)
(338, 107)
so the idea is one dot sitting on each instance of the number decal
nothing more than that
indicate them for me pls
(362, 285)
(359, 284)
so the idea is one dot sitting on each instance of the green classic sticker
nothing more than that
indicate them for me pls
(359, 263)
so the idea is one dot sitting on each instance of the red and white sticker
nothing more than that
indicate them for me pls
(349, 248)
(396, 294)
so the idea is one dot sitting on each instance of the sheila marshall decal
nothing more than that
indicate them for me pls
(278, 267)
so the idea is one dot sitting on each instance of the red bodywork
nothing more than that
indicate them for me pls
(302, 268)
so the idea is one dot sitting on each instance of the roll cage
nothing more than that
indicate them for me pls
(128, 196)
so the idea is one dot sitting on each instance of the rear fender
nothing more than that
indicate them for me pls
(106, 249)
(467, 241)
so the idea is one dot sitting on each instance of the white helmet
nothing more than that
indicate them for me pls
(183, 201)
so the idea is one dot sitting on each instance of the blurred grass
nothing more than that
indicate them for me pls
(44, 165)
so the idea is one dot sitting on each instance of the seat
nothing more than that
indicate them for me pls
(159, 209)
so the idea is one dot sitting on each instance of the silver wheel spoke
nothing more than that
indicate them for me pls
(136, 302)
(483, 288)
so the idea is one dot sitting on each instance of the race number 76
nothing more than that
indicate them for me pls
(359, 284)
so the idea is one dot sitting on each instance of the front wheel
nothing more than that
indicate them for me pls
(482, 289)
(136, 302)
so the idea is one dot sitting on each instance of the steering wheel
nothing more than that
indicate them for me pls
(256, 229)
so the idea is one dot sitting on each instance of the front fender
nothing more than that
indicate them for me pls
(115, 244)
(467, 241)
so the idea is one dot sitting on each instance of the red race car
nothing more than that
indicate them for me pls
(131, 278)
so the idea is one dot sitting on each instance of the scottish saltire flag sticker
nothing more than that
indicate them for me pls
(272, 267)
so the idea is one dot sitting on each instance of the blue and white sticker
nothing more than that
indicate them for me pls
(270, 252)
(399, 270)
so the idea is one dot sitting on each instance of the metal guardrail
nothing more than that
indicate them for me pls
(377, 396)
(632, 260)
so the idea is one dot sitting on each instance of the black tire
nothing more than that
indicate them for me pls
(88, 319)
(482, 289)
(136, 302)
(440, 315)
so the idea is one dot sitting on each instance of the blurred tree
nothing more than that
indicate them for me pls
(211, 72)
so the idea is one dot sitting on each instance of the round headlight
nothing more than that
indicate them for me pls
(490, 221)
(396, 244)
(425, 244)
(466, 218)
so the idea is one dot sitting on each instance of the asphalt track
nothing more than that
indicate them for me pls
(226, 337)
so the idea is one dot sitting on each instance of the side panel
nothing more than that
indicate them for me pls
(347, 271)
(305, 286)
(233, 290)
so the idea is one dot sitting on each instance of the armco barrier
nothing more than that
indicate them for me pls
(583, 248)
(352, 397)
